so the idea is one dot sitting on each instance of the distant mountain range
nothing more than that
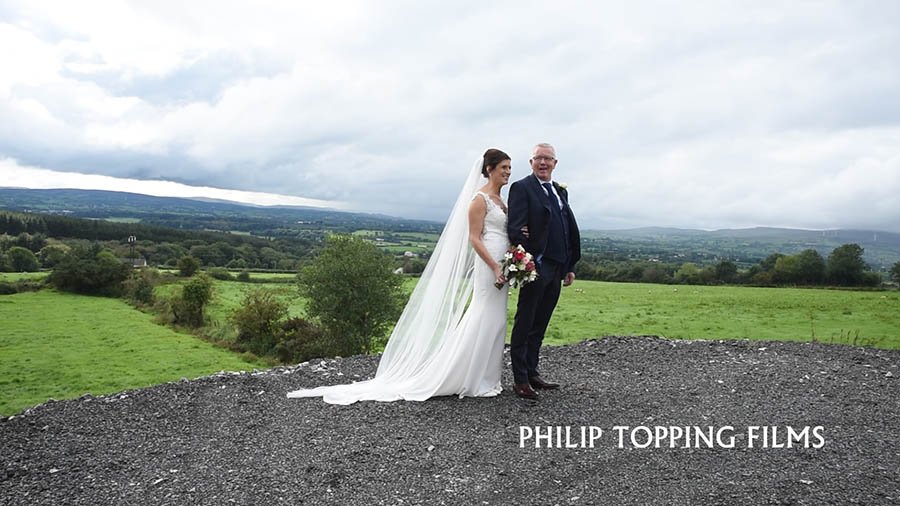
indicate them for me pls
(758, 233)
(882, 249)
(194, 213)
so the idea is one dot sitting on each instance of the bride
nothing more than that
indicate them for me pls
(441, 345)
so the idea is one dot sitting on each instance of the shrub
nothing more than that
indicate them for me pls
(299, 340)
(845, 265)
(257, 320)
(29, 285)
(188, 266)
(220, 273)
(90, 271)
(870, 278)
(52, 254)
(188, 307)
(237, 263)
(352, 293)
(139, 286)
(7, 288)
(243, 276)
(22, 260)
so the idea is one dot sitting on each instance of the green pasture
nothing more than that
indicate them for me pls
(400, 242)
(281, 277)
(227, 296)
(399, 249)
(122, 220)
(59, 345)
(590, 308)
(15, 276)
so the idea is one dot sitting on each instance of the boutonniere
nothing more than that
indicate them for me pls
(562, 186)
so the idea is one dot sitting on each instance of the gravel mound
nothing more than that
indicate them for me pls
(236, 439)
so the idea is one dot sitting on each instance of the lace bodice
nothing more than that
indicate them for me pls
(494, 219)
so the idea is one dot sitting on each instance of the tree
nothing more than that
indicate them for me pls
(768, 264)
(786, 270)
(688, 273)
(90, 270)
(257, 320)
(895, 272)
(138, 288)
(188, 308)
(31, 242)
(726, 270)
(654, 274)
(352, 293)
(810, 267)
(845, 265)
(53, 254)
(22, 260)
(298, 340)
(188, 266)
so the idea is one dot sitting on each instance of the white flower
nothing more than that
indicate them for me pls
(562, 186)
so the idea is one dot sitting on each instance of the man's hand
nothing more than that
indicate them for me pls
(570, 277)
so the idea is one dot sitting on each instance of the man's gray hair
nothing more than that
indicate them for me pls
(545, 145)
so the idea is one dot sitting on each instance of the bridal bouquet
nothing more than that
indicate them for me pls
(518, 267)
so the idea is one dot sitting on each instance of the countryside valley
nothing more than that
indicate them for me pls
(209, 286)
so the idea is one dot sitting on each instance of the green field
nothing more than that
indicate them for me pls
(400, 242)
(60, 345)
(57, 345)
(227, 295)
(15, 276)
(122, 220)
(591, 308)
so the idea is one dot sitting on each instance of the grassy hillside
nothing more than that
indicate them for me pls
(591, 308)
(60, 345)
(57, 345)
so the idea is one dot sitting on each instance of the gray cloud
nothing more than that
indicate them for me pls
(702, 115)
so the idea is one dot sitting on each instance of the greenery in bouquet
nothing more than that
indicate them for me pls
(518, 267)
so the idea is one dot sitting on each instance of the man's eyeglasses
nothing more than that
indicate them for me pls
(547, 159)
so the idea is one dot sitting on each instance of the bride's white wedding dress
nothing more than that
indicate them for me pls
(467, 359)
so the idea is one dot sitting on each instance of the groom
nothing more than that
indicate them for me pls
(541, 220)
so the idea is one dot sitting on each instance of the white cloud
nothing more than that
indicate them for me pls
(18, 176)
(707, 114)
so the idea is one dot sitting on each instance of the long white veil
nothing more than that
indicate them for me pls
(439, 299)
(431, 315)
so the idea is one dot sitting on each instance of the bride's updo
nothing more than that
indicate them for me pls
(491, 158)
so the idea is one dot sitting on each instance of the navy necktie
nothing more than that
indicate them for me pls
(552, 195)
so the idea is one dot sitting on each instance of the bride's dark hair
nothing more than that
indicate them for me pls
(491, 158)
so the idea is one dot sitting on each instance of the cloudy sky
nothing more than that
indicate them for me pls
(690, 114)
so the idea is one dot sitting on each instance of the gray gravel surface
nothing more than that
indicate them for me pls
(236, 439)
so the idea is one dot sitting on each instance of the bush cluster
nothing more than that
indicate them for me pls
(299, 340)
(257, 320)
(188, 308)
(138, 288)
(352, 293)
(843, 267)
(91, 271)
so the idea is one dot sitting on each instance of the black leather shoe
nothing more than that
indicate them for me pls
(538, 383)
(525, 391)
